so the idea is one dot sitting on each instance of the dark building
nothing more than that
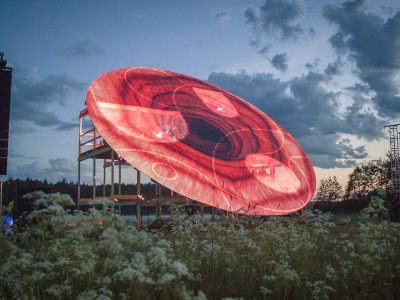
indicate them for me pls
(5, 93)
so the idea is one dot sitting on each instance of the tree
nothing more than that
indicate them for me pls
(329, 189)
(368, 177)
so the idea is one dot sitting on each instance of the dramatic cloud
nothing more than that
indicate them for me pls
(334, 69)
(279, 62)
(373, 43)
(277, 18)
(53, 169)
(32, 98)
(308, 111)
(81, 49)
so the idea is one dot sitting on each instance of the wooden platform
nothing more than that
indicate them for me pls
(100, 152)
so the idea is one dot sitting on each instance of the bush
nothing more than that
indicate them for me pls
(345, 206)
(376, 209)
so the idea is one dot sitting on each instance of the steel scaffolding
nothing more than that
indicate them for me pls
(93, 147)
(394, 157)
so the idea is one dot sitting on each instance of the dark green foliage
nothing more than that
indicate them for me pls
(329, 189)
(369, 177)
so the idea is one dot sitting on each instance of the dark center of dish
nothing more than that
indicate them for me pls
(208, 139)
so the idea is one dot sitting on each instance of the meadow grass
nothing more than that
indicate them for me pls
(98, 256)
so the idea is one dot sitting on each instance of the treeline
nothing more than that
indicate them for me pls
(14, 189)
(366, 181)
(369, 177)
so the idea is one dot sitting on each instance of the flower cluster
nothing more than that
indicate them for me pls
(96, 255)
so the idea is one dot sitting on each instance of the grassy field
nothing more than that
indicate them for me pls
(99, 256)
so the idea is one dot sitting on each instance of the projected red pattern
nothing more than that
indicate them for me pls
(201, 141)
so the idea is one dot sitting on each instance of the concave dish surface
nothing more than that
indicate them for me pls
(201, 141)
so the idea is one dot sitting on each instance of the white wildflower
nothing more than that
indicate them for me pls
(157, 255)
(330, 272)
(180, 269)
(167, 277)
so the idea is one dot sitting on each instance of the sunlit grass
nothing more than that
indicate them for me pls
(99, 256)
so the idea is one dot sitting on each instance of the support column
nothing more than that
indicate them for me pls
(79, 162)
(158, 204)
(212, 207)
(213, 212)
(138, 183)
(138, 203)
(159, 189)
(138, 215)
(104, 178)
(160, 193)
(119, 182)
(302, 214)
(112, 180)
(79, 184)
(119, 177)
(94, 177)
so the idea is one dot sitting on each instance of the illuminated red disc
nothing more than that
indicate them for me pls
(201, 141)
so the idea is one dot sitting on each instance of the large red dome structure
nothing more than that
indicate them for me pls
(201, 141)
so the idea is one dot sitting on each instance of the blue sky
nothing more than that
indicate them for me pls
(328, 71)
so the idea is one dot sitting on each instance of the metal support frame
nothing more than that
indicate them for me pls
(394, 157)
(93, 146)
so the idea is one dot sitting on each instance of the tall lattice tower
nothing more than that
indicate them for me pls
(394, 157)
(5, 94)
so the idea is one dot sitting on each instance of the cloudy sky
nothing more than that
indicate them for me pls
(328, 71)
